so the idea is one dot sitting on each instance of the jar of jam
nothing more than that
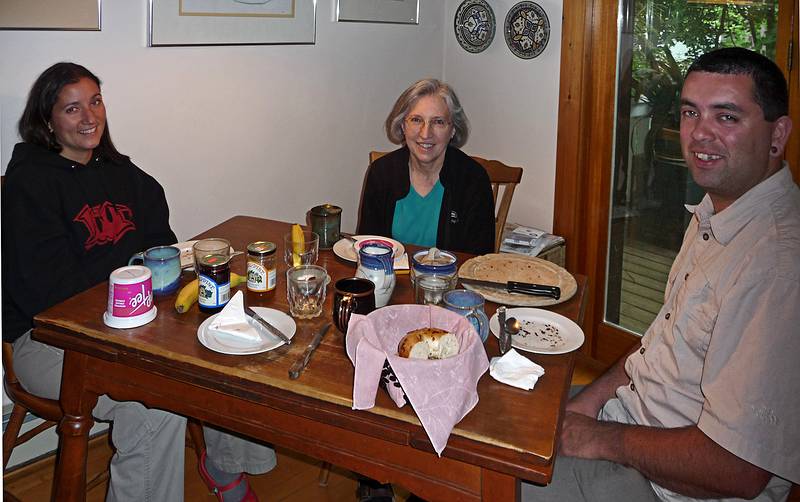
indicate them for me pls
(261, 269)
(214, 278)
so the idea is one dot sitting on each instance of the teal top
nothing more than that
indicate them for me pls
(416, 219)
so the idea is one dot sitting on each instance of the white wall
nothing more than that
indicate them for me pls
(259, 130)
(274, 130)
(512, 104)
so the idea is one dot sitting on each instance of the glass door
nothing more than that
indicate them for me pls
(650, 183)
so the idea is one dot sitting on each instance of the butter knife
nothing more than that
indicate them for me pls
(272, 329)
(301, 363)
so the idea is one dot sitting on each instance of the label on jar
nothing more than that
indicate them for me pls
(272, 279)
(211, 294)
(257, 277)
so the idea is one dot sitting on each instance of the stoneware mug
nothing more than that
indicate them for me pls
(470, 305)
(352, 295)
(376, 263)
(164, 263)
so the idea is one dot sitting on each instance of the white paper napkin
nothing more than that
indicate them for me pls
(516, 370)
(401, 262)
(232, 323)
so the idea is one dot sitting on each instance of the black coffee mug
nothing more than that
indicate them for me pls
(352, 295)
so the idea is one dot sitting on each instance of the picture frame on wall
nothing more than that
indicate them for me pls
(78, 15)
(378, 11)
(231, 22)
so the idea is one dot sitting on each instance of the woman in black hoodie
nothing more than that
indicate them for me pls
(73, 210)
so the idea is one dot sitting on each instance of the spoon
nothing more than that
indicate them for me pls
(512, 327)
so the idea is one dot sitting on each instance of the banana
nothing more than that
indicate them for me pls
(237, 279)
(298, 243)
(187, 296)
(189, 293)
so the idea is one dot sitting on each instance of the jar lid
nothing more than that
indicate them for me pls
(214, 261)
(261, 248)
(326, 210)
(442, 262)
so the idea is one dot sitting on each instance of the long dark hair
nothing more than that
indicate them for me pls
(39, 109)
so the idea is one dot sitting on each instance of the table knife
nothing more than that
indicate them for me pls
(272, 329)
(301, 363)
(524, 288)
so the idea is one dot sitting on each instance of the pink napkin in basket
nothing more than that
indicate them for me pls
(441, 392)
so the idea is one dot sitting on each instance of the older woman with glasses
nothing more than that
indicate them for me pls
(429, 192)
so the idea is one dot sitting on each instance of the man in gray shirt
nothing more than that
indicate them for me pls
(707, 405)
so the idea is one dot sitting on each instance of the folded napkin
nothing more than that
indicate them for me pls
(401, 264)
(442, 391)
(231, 323)
(516, 370)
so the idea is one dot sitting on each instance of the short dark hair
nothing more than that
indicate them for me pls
(769, 84)
(33, 125)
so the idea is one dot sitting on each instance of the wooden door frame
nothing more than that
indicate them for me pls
(584, 150)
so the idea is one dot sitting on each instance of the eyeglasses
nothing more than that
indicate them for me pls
(414, 123)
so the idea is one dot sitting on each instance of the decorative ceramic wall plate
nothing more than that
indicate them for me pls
(474, 25)
(527, 30)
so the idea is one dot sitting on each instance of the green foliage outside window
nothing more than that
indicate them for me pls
(670, 34)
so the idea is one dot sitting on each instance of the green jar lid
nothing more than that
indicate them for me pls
(214, 260)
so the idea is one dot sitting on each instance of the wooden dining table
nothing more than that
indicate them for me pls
(510, 435)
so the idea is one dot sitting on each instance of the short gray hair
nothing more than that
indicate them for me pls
(418, 90)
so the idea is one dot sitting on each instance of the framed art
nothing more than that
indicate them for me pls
(378, 11)
(231, 22)
(50, 15)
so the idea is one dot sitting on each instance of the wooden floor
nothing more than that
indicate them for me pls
(294, 480)
(645, 269)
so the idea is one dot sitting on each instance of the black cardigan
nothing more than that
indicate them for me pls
(466, 219)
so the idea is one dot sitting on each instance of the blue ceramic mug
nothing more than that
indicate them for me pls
(164, 263)
(376, 263)
(470, 305)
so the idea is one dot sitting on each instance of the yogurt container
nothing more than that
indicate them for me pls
(130, 298)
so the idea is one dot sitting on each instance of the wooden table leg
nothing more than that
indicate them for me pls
(69, 482)
(496, 486)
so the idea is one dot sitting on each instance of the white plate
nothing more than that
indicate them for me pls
(345, 249)
(268, 342)
(187, 254)
(543, 332)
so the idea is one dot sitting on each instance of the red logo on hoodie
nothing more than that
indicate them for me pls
(105, 222)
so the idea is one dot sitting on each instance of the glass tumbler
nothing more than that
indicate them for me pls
(301, 253)
(305, 290)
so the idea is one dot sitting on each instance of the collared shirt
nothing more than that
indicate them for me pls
(723, 352)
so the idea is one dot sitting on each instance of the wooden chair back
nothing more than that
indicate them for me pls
(504, 180)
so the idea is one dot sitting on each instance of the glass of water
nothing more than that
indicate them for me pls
(305, 290)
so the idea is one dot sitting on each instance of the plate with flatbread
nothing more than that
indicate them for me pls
(504, 267)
